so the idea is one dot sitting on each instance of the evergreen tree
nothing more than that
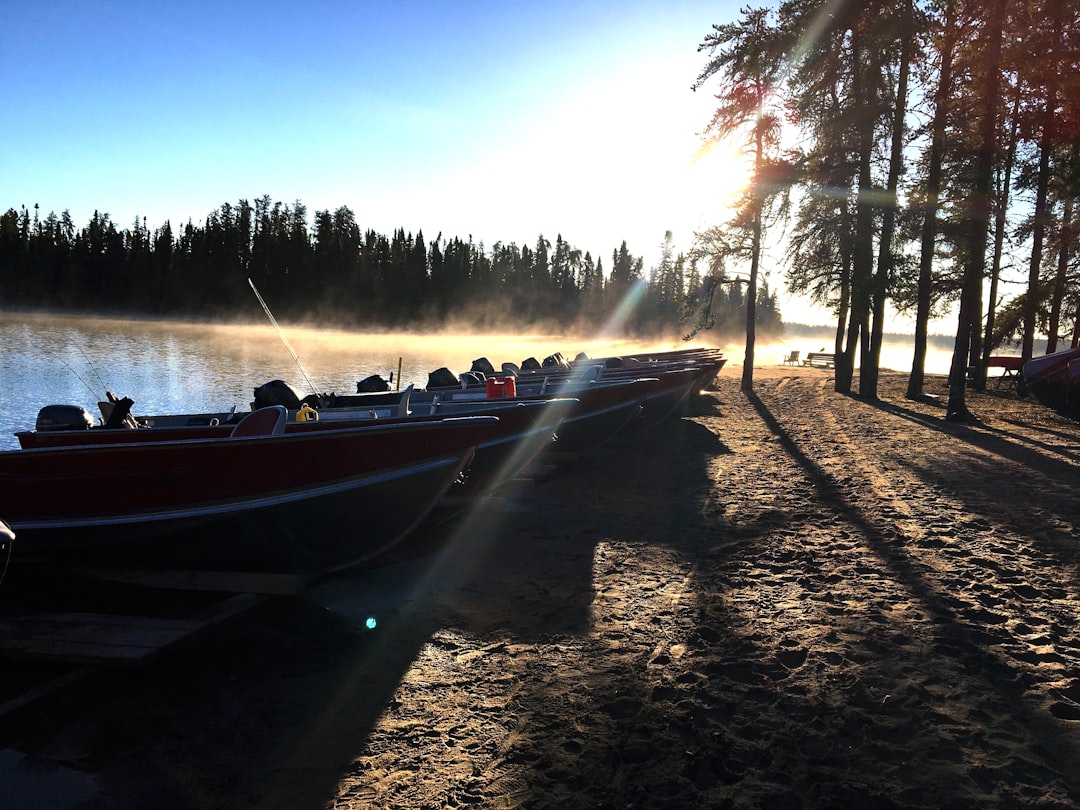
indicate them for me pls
(749, 58)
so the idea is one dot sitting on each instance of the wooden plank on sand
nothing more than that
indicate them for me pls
(101, 638)
(217, 581)
(66, 681)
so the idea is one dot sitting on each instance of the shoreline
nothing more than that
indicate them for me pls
(792, 599)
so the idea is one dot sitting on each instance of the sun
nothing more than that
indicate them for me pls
(723, 167)
(706, 188)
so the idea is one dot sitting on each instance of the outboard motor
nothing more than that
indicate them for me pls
(530, 363)
(372, 384)
(580, 357)
(473, 378)
(7, 539)
(277, 392)
(63, 417)
(556, 361)
(442, 378)
(483, 365)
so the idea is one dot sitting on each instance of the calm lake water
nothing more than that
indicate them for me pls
(172, 367)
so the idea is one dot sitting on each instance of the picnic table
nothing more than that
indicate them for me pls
(1010, 365)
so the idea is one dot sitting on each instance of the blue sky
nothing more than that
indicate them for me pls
(501, 120)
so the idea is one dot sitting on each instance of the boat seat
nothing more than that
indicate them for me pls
(268, 421)
(591, 373)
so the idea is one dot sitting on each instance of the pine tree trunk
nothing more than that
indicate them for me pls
(1061, 277)
(979, 207)
(1042, 213)
(868, 375)
(933, 191)
(999, 240)
(747, 383)
(862, 264)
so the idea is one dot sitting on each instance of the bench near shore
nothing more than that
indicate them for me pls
(824, 359)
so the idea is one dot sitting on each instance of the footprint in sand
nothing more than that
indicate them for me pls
(1065, 711)
(792, 658)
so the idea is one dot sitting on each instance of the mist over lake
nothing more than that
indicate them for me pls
(179, 367)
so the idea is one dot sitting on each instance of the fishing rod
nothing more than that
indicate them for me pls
(79, 377)
(104, 387)
(281, 335)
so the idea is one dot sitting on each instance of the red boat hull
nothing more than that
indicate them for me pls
(1053, 380)
(305, 502)
(524, 430)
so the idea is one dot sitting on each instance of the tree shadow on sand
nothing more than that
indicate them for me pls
(953, 642)
(667, 622)
(1041, 463)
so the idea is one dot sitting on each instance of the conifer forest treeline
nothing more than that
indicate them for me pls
(917, 154)
(332, 272)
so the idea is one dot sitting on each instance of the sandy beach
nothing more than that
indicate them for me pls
(794, 599)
